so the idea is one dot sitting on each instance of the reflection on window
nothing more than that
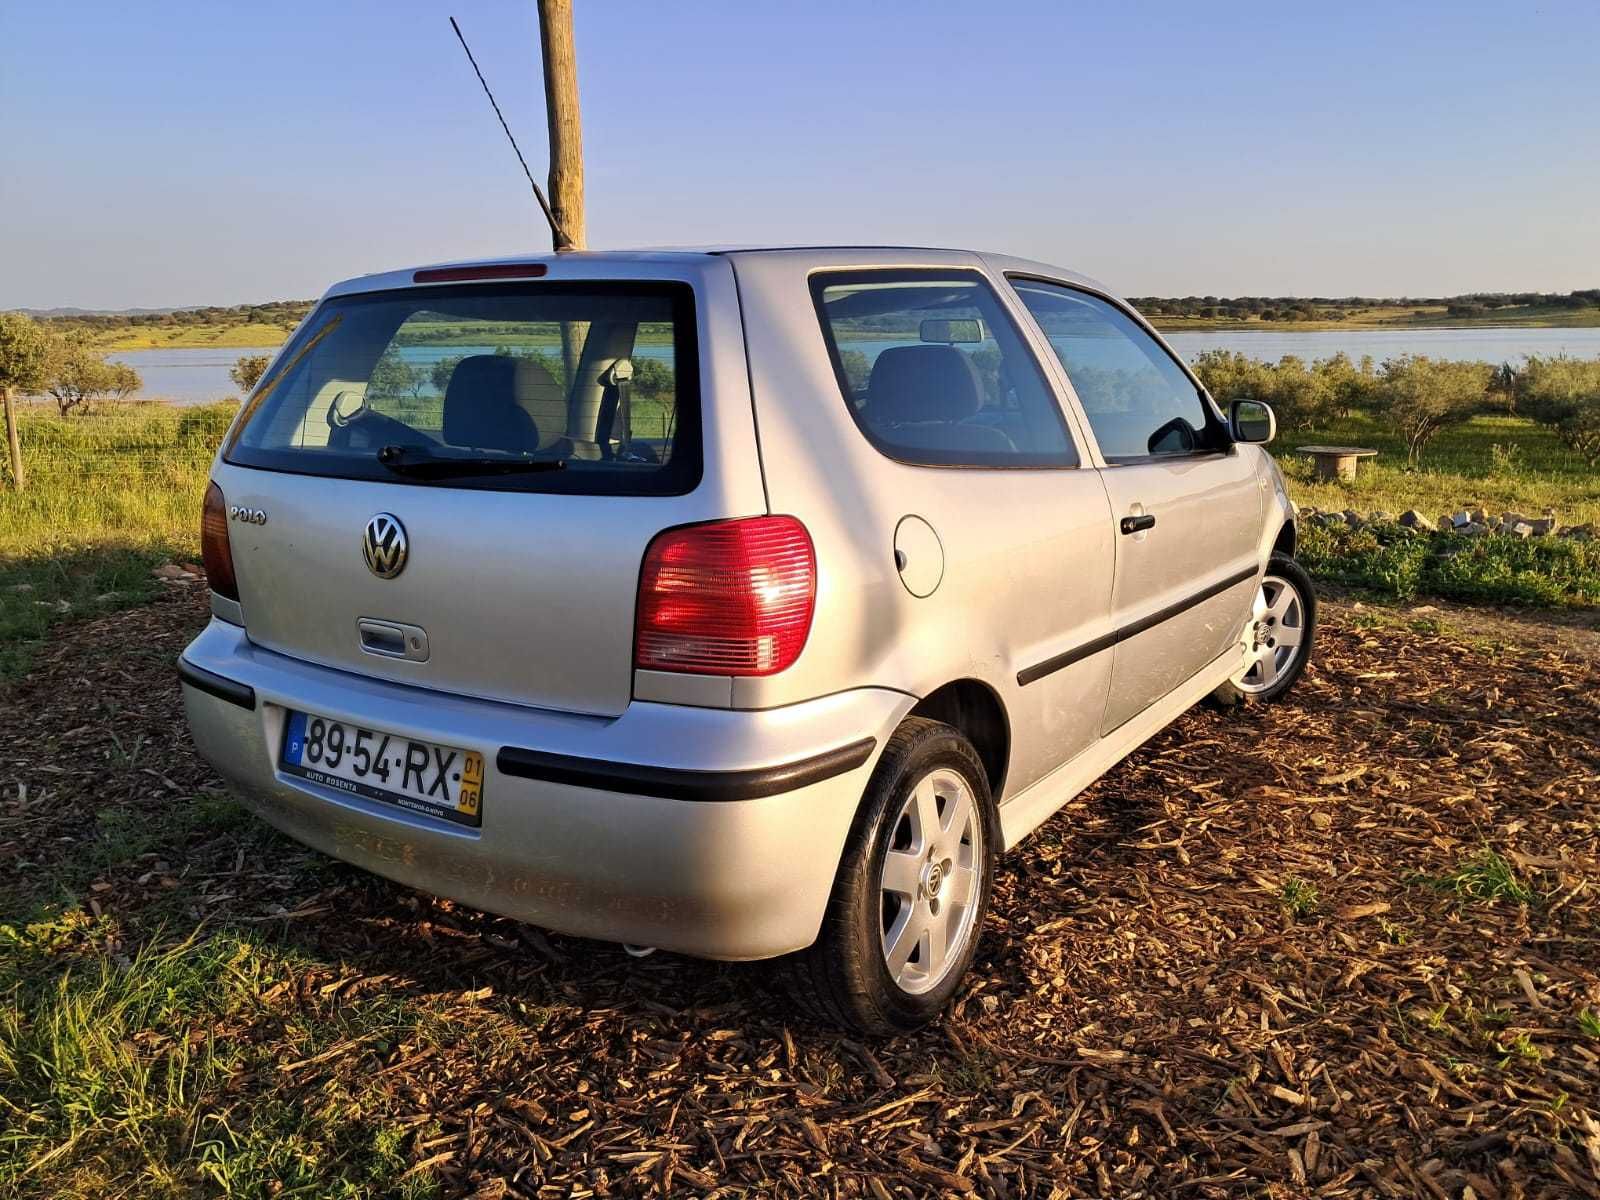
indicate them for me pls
(1138, 400)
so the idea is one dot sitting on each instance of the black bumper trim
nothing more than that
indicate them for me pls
(677, 783)
(1061, 661)
(215, 685)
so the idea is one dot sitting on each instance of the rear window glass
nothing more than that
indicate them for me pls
(552, 387)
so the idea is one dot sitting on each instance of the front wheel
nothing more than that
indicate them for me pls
(913, 887)
(1278, 637)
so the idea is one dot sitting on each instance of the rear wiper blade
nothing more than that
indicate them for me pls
(418, 462)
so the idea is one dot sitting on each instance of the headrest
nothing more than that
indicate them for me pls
(480, 405)
(910, 384)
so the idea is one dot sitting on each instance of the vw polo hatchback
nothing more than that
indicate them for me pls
(740, 603)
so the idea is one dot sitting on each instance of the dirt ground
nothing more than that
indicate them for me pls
(1345, 946)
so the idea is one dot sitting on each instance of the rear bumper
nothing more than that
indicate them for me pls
(712, 832)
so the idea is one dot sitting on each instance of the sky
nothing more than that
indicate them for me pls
(219, 153)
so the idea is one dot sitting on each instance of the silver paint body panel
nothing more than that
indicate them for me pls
(528, 604)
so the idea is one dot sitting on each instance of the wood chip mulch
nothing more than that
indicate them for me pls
(1247, 962)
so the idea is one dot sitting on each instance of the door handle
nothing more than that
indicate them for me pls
(1138, 524)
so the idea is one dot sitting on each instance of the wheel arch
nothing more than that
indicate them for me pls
(1285, 542)
(974, 708)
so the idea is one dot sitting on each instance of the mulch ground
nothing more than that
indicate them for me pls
(1247, 962)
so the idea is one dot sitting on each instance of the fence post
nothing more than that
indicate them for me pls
(12, 440)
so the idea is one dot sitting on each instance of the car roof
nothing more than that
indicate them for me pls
(826, 255)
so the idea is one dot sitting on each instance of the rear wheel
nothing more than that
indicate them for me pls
(912, 891)
(1283, 625)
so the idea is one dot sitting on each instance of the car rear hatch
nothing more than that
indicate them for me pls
(454, 485)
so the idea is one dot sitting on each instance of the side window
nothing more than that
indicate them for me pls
(1138, 400)
(935, 373)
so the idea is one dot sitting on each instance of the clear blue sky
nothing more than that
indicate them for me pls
(191, 153)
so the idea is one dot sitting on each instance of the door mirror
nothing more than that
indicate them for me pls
(1252, 421)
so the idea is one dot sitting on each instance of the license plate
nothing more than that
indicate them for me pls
(440, 781)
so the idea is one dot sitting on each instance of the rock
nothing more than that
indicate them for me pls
(1543, 527)
(1445, 522)
(1378, 515)
(1353, 518)
(1520, 529)
(1481, 517)
(20, 588)
(1579, 533)
(1473, 529)
(1461, 520)
(1412, 519)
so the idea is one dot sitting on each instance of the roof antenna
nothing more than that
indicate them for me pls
(538, 194)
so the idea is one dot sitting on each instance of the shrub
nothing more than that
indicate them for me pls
(247, 371)
(1418, 396)
(1564, 393)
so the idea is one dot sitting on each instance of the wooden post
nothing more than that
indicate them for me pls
(566, 130)
(12, 439)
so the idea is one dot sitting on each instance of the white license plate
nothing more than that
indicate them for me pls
(441, 781)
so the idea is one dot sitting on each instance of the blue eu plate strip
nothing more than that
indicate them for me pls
(294, 741)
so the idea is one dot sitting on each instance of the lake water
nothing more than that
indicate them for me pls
(196, 376)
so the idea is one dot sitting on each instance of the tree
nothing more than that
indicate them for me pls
(76, 377)
(24, 356)
(1417, 397)
(248, 370)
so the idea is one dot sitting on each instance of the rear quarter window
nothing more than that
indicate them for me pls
(588, 388)
(934, 371)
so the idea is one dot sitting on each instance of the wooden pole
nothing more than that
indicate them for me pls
(566, 129)
(13, 440)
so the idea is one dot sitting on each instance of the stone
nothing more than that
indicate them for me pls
(1445, 522)
(1473, 529)
(1378, 515)
(1353, 519)
(1579, 533)
(1481, 517)
(1412, 519)
(1543, 527)
(1461, 520)
(1521, 529)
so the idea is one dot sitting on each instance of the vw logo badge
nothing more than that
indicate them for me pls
(384, 546)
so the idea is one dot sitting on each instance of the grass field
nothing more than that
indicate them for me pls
(181, 337)
(110, 496)
(1504, 463)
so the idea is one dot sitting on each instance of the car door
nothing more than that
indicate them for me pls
(1186, 504)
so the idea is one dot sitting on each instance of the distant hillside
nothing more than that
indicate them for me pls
(140, 329)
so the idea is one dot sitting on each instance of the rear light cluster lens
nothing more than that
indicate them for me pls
(726, 598)
(215, 553)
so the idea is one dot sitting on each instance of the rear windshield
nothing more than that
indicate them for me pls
(551, 387)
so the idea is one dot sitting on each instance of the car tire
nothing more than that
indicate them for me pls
(1286, 599)
(929, 775)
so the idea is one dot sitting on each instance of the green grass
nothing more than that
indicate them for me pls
(109, 495)
(1504, 463)
(1491, 569)
(1486, 876)
(1299, 898)
(158, 1071)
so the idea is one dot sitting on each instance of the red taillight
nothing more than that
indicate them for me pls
(485, 271)
(726, 598)
(215, 553)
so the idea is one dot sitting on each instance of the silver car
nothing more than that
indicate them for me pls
(741, 603)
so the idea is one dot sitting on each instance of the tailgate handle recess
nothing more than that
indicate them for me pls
(393, 639)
